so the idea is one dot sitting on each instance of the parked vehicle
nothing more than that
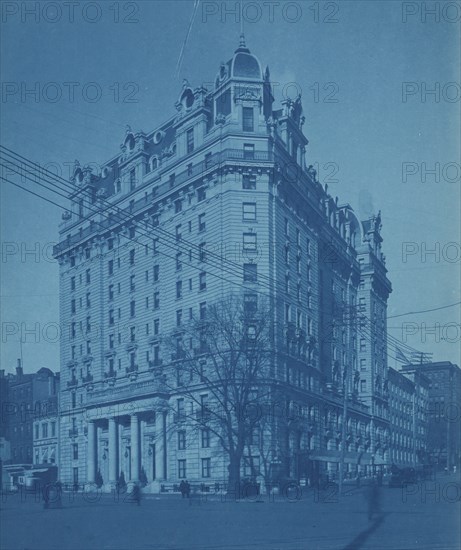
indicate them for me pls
(402, 476)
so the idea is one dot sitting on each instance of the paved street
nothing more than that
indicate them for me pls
(167, 522)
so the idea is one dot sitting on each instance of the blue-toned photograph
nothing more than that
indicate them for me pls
(230, 275)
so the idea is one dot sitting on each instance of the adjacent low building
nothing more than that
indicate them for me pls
(408, 405)
(443, 410)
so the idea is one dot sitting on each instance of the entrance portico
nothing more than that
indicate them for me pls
(130, 443)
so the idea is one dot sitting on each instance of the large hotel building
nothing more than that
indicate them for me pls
(219, 199)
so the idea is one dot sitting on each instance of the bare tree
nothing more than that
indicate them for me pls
(227, 352)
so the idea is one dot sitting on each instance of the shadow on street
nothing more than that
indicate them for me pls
(362, 537)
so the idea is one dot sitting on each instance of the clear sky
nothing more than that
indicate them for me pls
(361, 54)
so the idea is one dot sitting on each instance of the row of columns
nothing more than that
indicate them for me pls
(113, 448)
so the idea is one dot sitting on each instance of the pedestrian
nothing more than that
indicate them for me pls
(59, 494)
(357, 480)
(373, 497)
(46, 496)
(137, 494)
(187, 489)
(182, 488)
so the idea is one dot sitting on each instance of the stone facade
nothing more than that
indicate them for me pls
(218, 199)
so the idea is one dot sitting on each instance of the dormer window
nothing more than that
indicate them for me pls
(187, 98)
(132, 179)
(190, 140)
(248, 119)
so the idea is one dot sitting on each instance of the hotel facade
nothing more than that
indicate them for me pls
(221, 198)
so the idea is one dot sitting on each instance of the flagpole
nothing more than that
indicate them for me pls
(20, 348)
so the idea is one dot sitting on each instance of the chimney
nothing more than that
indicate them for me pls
(19, 368)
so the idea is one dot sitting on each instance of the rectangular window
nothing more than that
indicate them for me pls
(249, 241)
(156, 300)
(248, 151)
(248, 119)
(202, 307)
(75, 451)
(132, 252)
(156, 273)
(132, 179)
(180, 407)
(208, 160)
(132, 308)
(178, 206)
(202, 280)
(178, 317)
(249, 211)
(248, 182)
(178, 289)
(190, 140)
(206, 467)
(250, 303)
(205, 438)
(110, 267)
(178, 232)
(181, 469)
(201, 194)
(88, 277)
(132, 283)
(287, 313)
(37, 429)
(72, 283)
(202, 252)
(363, 385)
(111, 292)
(156, 326)
(201, 222)
(44, 430)
(250, 273)
(178, 261)
(181, 440)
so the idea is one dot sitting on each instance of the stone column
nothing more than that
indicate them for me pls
(91, 453)
(159, 446)
(134, 447)
(113, 444)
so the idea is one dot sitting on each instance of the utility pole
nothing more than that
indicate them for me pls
(414, 421)
(343, 432)
(448, 421)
